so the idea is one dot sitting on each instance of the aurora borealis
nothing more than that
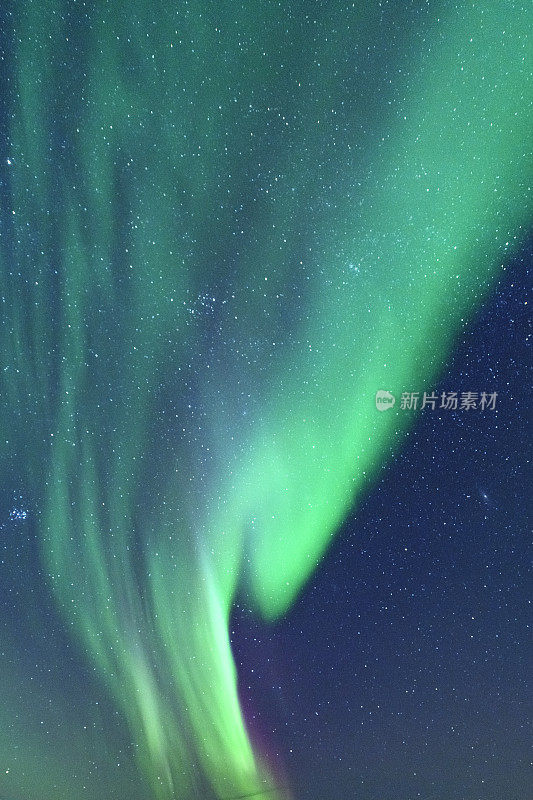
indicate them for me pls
(224, 227)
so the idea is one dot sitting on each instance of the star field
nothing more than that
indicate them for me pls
(227, 230)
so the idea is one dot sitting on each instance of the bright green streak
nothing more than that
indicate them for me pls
(162, 125)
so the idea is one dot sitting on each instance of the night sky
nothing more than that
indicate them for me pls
(224, 572)
(404, 669)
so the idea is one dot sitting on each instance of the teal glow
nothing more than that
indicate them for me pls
(217, 254)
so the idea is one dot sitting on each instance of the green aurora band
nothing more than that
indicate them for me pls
(220, 242)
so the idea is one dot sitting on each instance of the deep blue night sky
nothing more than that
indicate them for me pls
(403, 671)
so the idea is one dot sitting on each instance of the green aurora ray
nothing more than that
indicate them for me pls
(227, 226)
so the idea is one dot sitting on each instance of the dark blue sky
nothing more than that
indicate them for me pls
(402, 672)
